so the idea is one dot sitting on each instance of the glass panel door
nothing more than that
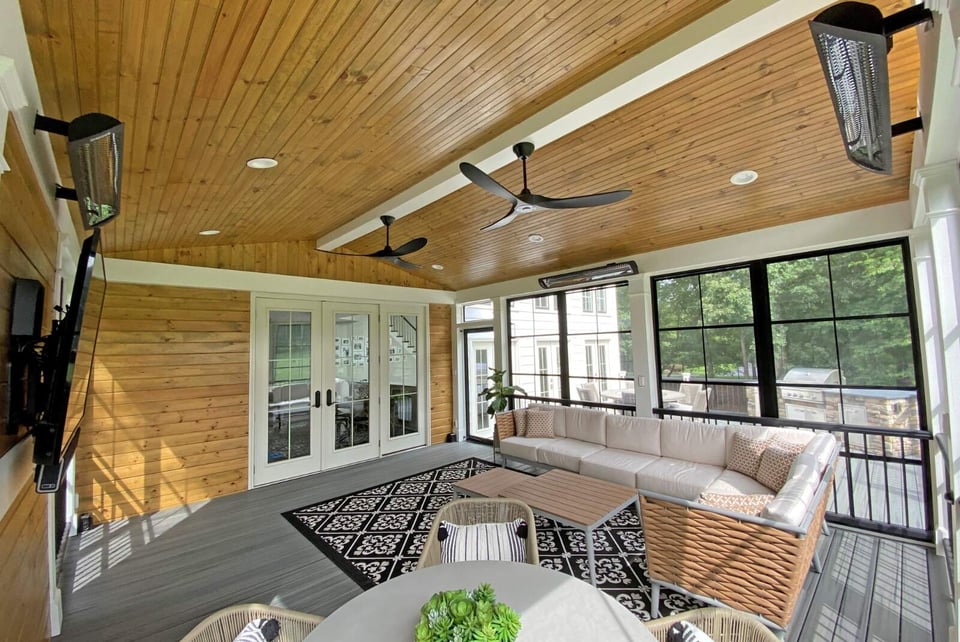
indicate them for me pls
(285, 419)
(404, 424)
(479, 363)
(351, 346)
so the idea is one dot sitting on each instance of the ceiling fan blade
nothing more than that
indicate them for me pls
(502, 221)
(410, 246)
(347, 253)
(396, 260)
(590, 200)
(480, 178)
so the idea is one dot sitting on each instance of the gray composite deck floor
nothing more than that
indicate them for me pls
(154, 577)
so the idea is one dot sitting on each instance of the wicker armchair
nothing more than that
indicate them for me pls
(480, 511)
(719, 624)
(226, 624)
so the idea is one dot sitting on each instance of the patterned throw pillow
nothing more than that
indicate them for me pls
(746, 504)
(684, 631)
(466, 543)
(540, 424)
(745, 454)
(506, 427)
(259, 630)
(776, 462)
(520, 421)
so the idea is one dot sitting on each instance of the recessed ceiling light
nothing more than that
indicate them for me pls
(535, 238)
(262, 163)
(744, 177)
(437, 266)
(209, 232)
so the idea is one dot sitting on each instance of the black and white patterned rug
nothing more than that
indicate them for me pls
(378, 533)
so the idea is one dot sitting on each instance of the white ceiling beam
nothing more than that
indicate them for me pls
(728, 28)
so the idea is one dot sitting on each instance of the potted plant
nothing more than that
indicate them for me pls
(498, 395)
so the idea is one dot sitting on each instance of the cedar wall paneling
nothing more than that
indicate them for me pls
(28, 249)
(441, 372)
(292, 259)
(167, 421)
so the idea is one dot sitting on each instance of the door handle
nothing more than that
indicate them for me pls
(329, 397)
(316, 399)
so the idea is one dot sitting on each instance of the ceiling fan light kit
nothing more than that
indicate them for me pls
(526, 202)
(852, 40)
(390, 254)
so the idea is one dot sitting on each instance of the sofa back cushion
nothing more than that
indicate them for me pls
(744, 454)
(795, 499)
(585, 425)
(637, 434)
(693, 441)
(559, 417)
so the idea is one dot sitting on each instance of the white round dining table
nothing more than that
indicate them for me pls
(552, 606)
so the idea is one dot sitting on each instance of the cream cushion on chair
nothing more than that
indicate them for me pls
(693, 441)
(730, 482)
(565, 453)
(793, 501)
(617, 466)
(677, 478)
(638, 434)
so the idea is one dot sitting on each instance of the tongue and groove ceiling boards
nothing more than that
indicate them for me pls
(360, 101)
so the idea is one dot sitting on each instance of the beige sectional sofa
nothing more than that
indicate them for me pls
(753, 562)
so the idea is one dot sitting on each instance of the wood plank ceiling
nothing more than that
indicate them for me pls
(361, 100)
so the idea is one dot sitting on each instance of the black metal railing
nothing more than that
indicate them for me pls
(521, 401)
(882, 480)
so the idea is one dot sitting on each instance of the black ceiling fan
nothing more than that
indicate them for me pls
(390, 254)
(526, 201)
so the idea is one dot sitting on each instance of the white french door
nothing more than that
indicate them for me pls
(334, 383)
(351, 385)
(286, 418)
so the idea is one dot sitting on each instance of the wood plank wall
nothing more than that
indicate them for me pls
(167, 422)
(293, 259)
(441, 372)
(28, 249)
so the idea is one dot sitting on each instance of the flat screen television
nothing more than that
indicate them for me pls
(67, 368)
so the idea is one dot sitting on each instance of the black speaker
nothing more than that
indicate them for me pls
(26, 315)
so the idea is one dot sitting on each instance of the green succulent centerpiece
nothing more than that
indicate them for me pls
(467, 616)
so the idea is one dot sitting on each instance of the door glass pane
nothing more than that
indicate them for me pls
(479, 364)
(352, 382)
(288, 397)
(404, 385)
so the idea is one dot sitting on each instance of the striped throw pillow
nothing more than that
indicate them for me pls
(467, 543)
(684, 631)
(259, 630)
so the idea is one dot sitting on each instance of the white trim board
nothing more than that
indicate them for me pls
(724, 30)
(16, 468)
(873, 223)
(148, 273)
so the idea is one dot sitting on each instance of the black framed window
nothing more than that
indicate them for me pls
(575, 344)
(827, 337)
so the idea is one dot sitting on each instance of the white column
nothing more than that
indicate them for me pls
(644, 352)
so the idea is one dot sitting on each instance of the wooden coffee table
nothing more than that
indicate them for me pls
(571, 499)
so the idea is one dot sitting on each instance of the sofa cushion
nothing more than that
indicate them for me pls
(565, 453)
(677, 477)
(693, 441)
(522, 447)
(744, 454)
(752, 432)
(539, 424)
(737, 503)
(617, 466)
(585, 425)
(821, 447)
(520, 421)
(776, 462)
(730, 482)
(559, 417)
(639, 434)
(794, 500)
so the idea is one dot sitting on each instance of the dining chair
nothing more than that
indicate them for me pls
(690, 391)
(588, 392)
(480, 510)
(225, 625)
(718, 623)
